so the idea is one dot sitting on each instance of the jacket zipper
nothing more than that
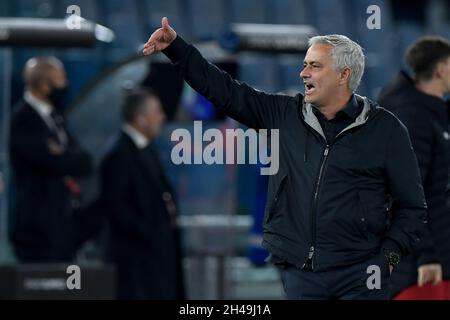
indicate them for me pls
(310, 261)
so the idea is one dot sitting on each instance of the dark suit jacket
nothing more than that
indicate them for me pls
(144, 244)
(42, 229)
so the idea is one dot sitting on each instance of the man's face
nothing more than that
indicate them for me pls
(56, 79)
(152, 118)
(319, 76)
(56, 87)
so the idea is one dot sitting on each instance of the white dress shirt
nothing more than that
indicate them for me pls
(44, 110)
(138, 138)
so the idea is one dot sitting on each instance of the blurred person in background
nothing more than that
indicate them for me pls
(420, 105)
(139, 204)
(45, 160)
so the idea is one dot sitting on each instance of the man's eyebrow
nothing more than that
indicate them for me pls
(310, 62)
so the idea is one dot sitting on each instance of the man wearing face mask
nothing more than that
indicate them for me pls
(45, 160)
(140, 206)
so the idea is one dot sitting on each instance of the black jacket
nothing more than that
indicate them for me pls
(426, 118)
(43, 227)
(143, 243)
(330, 200)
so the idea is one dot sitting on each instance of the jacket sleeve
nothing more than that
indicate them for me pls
(115, 186)
(421, 134)
(251, 107)
(30, 143)
(405, 186)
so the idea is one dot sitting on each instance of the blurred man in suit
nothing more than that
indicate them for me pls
(45, 159)
(140, 206)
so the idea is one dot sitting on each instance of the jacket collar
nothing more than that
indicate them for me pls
(352, 109)
(311, 119)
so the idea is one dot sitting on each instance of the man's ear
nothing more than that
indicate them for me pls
(439, 71)
(345, 75)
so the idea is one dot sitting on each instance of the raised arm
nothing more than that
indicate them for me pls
(161, 38)
(251, 107)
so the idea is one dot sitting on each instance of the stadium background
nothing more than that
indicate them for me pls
(218, 202)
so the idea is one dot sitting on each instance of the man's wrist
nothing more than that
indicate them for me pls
(177, 49)
(392, 257)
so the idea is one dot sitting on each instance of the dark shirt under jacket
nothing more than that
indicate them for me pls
(343, 119)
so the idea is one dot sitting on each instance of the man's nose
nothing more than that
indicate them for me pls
(304, 73)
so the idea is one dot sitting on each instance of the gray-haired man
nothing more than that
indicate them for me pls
(329, 224)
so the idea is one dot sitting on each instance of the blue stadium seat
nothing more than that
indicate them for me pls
(172, 9)
(124, 18)
(258, 71)
(333, 16)
(250, 11)
(6, 9)
(207, 18)
(444, 30)
(89, 9)
(289, 67)
(37, 9)
(381, 62)
(359, 16)
(438, 18)
(406, 34)
(80, 72)
(292, 12)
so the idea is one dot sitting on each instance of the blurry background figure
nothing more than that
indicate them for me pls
(140, 206)
(419, 103)
(44, 159)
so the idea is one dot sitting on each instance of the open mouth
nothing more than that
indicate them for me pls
(309, 88)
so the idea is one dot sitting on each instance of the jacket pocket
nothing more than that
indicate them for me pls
(362, 215)
(374, 214)
(274, 205)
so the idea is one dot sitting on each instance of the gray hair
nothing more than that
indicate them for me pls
(345, 53)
